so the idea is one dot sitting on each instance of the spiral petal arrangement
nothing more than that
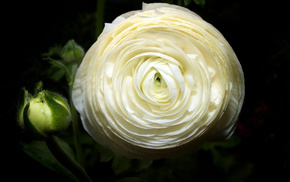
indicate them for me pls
(157, 82)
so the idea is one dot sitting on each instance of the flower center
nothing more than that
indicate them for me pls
(158, 89)
(157, 79)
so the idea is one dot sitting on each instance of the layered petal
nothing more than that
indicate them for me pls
(157, 82)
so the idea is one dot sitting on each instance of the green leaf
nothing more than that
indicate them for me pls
(57, 74)
(53, 51)
(220, 154)
(105, 154)
(200, 2)
(187, 2)
(139, 165)
(66, 148)
(230, 143)
(61, 65)
(240, 172)
(39, 151)
(223, 160)
(120, 164)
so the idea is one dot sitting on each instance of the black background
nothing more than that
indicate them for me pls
(258, 31)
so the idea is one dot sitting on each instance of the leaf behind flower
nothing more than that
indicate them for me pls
(39, 151)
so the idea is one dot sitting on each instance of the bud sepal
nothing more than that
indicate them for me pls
(24, 98)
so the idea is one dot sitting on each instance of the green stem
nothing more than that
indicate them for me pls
(66, 161)
(75, 121)
(100, 16)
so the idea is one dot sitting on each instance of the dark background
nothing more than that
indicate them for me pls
(258, 31)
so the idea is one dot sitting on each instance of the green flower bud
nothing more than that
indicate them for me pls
(72, 51)
(45, 114)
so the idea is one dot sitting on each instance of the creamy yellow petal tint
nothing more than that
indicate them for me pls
(157, 82)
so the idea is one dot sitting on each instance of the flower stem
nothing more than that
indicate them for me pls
(75, 122)
(66, 161)
(100, 16)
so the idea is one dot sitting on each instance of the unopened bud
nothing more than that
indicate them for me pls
(72, 51)
(44, 114)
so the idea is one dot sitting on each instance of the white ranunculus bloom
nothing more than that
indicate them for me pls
(157, 82)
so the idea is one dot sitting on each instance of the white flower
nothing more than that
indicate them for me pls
(157, 82)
